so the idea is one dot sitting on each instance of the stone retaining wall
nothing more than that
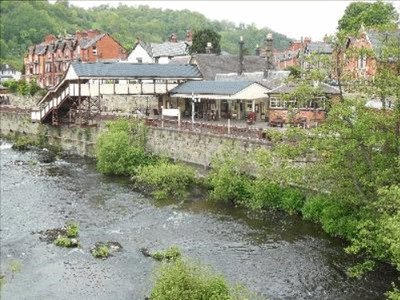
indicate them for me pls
(192, 147)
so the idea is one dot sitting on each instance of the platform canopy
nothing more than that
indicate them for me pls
(227, 90)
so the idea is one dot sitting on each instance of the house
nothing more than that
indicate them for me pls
(368, 51)
(291, 55)
(47, 62)
(283, 107)
(316, 55)
(8, 73)
(160, 53)
(212, 100)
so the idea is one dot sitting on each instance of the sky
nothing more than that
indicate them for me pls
(295, 19)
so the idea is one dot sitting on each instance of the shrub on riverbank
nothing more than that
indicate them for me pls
(120, 149)
(184, 280)
(166, 179)
(23, 142)
(228, 179)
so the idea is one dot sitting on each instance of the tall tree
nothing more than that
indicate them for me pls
(204, 36)
(370, 14)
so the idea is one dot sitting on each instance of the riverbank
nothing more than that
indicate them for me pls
(274, 254)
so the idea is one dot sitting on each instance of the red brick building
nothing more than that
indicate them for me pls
(365, 53)
(46, 62)
(291, 55)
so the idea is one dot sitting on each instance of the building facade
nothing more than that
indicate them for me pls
(47, 62)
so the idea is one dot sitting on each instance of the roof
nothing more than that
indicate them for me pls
(118, 69)
(87, 42)
(379, 39)
(6, 67)
(180, 60)
(169, 49)
(211, 64)
(319, 47)
(290, 87)
(211, 87)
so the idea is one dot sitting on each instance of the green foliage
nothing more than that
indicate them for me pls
(23, 142)
(228, 179)
(204, 36)
(394, 294)
(101, 251)
(23, 87)
(166, 179)
(183, 280)
(172, 253)
(370, 14)
(25, 23)
(72, 229)
(121, 148)
(15, 266)
(63, 241)
(360, 269)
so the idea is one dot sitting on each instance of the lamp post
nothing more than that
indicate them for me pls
(194, 100)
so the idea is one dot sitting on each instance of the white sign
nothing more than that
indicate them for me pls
(171, 112)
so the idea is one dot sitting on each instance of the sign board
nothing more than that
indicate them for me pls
(171, 112)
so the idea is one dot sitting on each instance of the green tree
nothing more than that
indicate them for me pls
(369, 14)
(204, 36)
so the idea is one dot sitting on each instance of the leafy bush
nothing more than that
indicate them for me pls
(292, 200)
(101, 251)
(22, 143)
(172, 253)
(63, 241)
(23, 87)
(265, 195)
(121, 148)
(166, 179)
(313, 208)
(183, 280)
(72, 230)
(229, 180)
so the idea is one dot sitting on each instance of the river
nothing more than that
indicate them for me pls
(278, 256)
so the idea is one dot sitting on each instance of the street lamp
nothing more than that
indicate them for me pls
(194, 100)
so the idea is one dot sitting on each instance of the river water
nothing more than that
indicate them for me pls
(278, 256)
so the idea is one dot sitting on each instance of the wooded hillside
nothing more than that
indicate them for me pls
(25, 23)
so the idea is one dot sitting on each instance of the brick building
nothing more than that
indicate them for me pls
(366, 52)
(46, 62)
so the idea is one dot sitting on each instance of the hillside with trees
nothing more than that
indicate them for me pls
(25, 23)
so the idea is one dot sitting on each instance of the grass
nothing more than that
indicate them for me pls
(101, 251)
(170, 254)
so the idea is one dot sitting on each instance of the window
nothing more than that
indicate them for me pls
(275, 103)
(94, 51)
(362, 61)
(139, 60)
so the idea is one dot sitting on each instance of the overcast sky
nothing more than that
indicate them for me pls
(292, 18)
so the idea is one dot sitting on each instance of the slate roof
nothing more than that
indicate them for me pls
(290, 87)
(319, 47)
(87, 42)
(180, 60)
(380, 39)
(169, 49)
(211, 64)
(115, 70)
(211, 87)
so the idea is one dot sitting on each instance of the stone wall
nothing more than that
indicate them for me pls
(196, 148)
(186, 146)
(129, 103)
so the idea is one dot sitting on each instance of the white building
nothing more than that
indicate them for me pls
(157, 53)
(7, 73)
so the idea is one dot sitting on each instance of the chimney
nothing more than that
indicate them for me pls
(49, 38)
(258, 50)
(268, 51)
(208, 48)
(189, 36)
(241, 43)
(173, 38)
